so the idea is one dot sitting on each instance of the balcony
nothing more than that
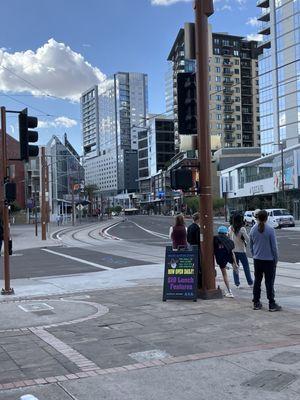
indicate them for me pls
(227, 64)
(228, 129)
(263, 3)
(228, 82)
(228, 72)
(246, 83)
(265, 44)
(264, 28)
(228, 92)
(229, 138)
(265, 15)
(229, 110)
(228, 101)
(228, 120)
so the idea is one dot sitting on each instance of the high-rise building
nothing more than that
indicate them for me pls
(90, 122)
(233, 87)
(279, 74)
(65, 170)
(122, 111)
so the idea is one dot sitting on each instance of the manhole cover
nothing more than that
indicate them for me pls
(34, 307)
(149, 355)
(273, 381)
(286, 357)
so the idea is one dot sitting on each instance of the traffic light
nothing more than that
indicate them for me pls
(182, 179)
(187, 104)
(27, 136)
(10, 192)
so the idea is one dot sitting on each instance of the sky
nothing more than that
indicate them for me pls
(53, 50)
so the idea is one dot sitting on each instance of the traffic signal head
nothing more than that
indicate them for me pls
(182, 179)
(187, 103)
(27, 136)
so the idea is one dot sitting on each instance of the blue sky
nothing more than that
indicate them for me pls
(60, 48)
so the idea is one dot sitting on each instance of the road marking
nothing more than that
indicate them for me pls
(160, 235)
(80, 260)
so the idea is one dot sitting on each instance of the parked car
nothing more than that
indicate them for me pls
(249, 218)
(280, 218)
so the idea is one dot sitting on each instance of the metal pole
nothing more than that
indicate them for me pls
(73, 203)
(282, 176)
(43, 202)
(203, 9)
(5, 213)
(35, 212)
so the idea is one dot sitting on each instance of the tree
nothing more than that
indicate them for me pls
(89, 191)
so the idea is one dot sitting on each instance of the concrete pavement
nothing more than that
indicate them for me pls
(108, 335)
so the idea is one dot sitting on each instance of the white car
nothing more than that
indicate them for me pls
(249, 218)
(280, 218)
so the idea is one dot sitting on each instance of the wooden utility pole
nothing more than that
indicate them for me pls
(5, 213)
(43, 196)
(204, 9)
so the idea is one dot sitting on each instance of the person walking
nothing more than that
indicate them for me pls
(238, 234)
(263, 246)
(223, 250)
(193, 238)
(178, 233)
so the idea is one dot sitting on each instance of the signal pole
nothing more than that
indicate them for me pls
(5, 213)
(204, 9)
(43, 195)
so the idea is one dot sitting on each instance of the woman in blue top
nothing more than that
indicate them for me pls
(263, 247)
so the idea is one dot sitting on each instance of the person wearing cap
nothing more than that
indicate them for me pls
(223, 250)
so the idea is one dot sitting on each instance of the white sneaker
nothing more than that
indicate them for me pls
(229, 294)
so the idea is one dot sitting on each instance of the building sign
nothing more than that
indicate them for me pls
(181, 274)
(289, 167)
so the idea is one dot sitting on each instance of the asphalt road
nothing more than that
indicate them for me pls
(153, 230)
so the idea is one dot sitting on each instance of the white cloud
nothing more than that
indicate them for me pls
(167, 2)
(252, 21)
(54, 69)
(226, 7)
(255, 36)
(59, 122)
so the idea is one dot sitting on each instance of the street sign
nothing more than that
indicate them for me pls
(80, 207)
(181, 274)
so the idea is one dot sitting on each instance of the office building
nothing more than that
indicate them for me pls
(65, 170)
(279, 74)
(123, 108)
(233, 88)
(90, 122)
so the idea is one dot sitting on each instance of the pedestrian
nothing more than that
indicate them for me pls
(58, 220)
(1, 235)
(223, 250)
(61, 219)
(178, 233)
(193, 238)
(238, 234)
(263, 247)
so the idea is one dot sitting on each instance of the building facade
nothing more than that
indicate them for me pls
(233, 88)
(65, 171)
(123, 108)
(90, 122)
(279, 73)
(268, 182)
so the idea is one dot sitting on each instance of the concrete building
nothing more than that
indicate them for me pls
(90, 122)
(279, 73)
(234, 112)
(123, 108)
(258, 183)
(156, 147)
(65, 170)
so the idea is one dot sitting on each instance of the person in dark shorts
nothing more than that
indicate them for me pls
(223, 250)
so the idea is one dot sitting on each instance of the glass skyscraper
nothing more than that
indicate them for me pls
(279, 74)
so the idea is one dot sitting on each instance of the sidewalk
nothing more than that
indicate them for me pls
(124, 342)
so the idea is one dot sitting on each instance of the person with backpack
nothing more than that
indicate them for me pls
(223, 250)
(263, 246)
(238, 234)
